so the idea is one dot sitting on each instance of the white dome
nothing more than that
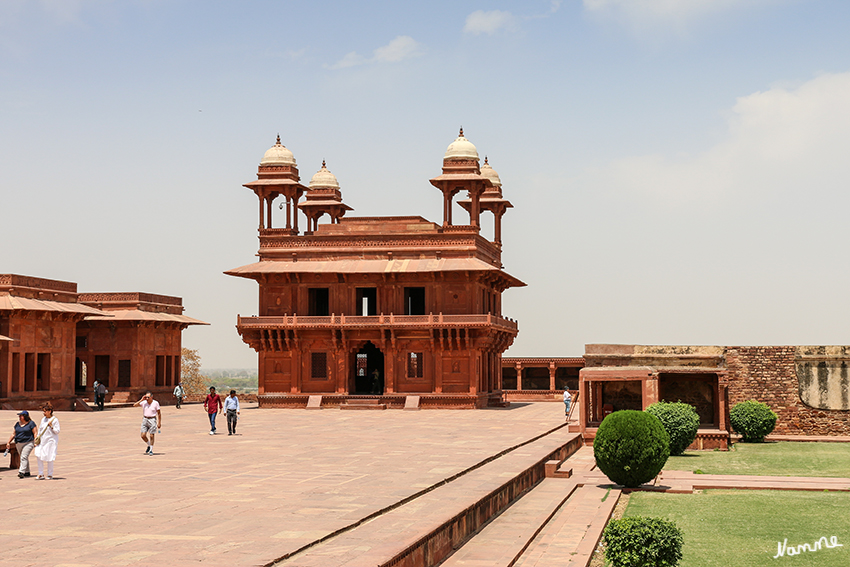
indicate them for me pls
(324, 178)
(278, 155)
(490, 173)
(461, 148)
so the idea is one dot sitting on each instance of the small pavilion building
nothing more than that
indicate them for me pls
(383, 310)
(55, 342)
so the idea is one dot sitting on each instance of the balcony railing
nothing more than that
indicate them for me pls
(434, 320)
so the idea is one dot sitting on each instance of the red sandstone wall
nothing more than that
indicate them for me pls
(769, 375)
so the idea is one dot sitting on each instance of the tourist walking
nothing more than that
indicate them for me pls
(231, 408)
(47, 441)
(567, 399)
(179, 392)
(100, 395)
(23, 436)
(212, 404)
(151, 420)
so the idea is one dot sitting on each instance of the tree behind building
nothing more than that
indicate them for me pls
(194, 383)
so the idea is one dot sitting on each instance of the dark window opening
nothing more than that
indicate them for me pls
(509, 378)
(169, 367)
(319, 365)
(101, 369)
(414, 301)
(318, 302)
(367, 301)
(16, 372)
(124, 374)
(43, 372)
(414, 365)
(82, 342)
(29, 372)
(535, 378)
(566, 378)
(160, 370)
(697, 390)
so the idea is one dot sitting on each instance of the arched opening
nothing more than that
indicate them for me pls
(368, 370)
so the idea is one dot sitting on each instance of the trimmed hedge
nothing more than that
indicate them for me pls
(753, 420)
(681, 422)
(631, 447)
(642, 542)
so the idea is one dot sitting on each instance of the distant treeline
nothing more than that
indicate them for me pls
(240, 379)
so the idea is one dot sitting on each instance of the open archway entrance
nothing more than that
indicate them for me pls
(80, 376)
(368, 370)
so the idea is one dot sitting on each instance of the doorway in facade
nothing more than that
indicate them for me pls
(368, 370)
(80, 376)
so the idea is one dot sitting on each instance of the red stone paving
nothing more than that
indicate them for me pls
(288, 479)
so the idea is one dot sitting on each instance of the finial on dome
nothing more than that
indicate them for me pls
(485, 161)
(278, 139)
(323, 164)
(461, 132)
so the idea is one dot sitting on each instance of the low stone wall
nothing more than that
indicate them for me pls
(769, 374)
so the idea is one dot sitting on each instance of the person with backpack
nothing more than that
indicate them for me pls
(179, 392)
(100, 395)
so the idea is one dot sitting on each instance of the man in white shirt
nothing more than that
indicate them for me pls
(567, 399)
(151, 420)
(231, 407)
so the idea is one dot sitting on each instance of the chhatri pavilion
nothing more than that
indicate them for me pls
(378, 311)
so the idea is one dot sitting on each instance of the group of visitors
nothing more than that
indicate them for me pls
(43, 440)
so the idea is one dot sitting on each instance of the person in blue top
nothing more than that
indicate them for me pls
(231, 407)
(23, 437)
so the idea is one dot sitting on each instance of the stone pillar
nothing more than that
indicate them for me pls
(288, 213)
(519, 376)
(269, 200)
(262, 222)
(650, 390)
(438, 370)
(552, 370)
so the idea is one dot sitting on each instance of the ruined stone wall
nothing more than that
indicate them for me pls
(768, 374)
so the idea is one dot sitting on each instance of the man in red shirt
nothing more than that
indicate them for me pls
(212, 404)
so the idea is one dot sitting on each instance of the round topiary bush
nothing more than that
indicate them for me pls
(631, 447)
(681, 422)
(642, 542)
(753, 420)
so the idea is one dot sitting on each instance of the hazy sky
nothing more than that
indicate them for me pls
(679, 168)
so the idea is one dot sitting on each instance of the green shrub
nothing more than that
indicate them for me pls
(681, 422)
(753, 420)
(631, 447)
(642, 542)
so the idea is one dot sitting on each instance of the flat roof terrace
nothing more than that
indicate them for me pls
(286, 481)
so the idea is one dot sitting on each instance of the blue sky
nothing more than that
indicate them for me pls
(678, 167)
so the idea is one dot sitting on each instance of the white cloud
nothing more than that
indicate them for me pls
(401, 48)
(671, 13)
(780, 142)
(479, 22)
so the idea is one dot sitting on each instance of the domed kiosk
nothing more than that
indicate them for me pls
(384, 311)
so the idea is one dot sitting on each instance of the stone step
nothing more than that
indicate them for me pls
(425, 528)
(503, 540)
(363, 406)
(573, 533)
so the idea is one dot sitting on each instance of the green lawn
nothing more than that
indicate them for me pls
(730, 528)
(777, 459)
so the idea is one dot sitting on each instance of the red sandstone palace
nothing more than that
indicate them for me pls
(391, 310)
(55, 342)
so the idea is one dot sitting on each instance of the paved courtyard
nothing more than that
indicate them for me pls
(289, 478)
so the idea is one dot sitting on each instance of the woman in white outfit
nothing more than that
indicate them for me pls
(48, 431)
